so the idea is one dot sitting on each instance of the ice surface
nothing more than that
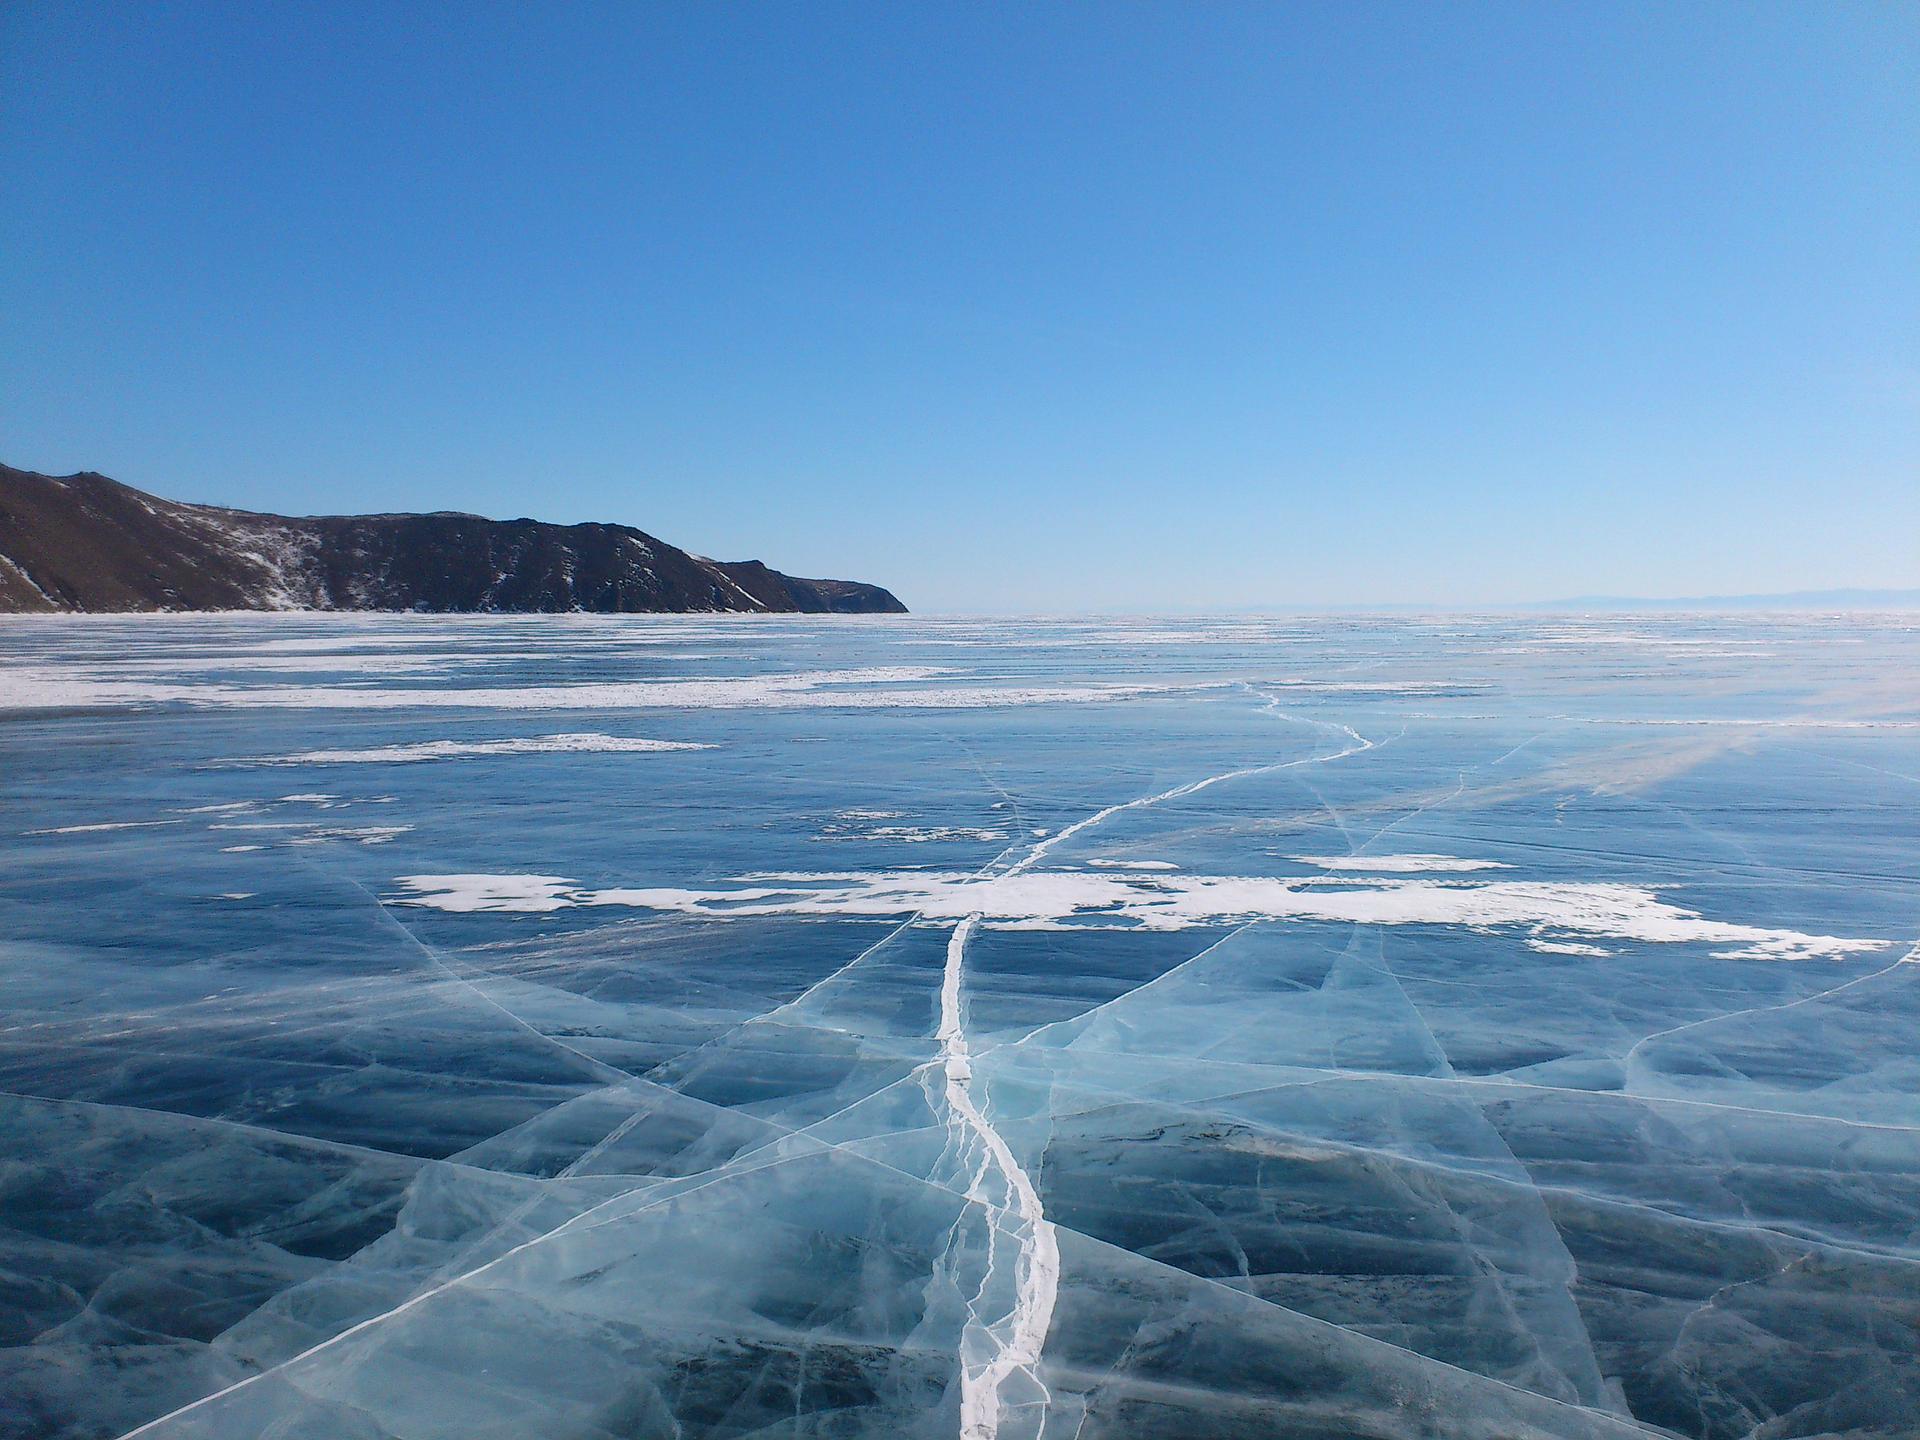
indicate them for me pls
(1427, 1027)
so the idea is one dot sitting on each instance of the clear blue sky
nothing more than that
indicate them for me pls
(1051, 306)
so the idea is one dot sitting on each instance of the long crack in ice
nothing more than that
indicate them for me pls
(1009, 1349)
(1013, 1345)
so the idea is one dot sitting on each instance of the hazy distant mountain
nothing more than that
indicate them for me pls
(1788, 600)
(84, 542)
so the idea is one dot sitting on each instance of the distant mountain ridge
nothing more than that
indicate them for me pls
(86, 543)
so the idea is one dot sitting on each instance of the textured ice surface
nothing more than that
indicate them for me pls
(1436, 1027)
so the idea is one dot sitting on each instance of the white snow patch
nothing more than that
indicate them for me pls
(464, 749)
(361, 834)
(909, 834)
(1085, 899)
(469, 894)
(28, 580)
(1566, 947)
(1398, 864)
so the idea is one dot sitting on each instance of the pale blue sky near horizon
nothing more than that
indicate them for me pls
(1008, 307)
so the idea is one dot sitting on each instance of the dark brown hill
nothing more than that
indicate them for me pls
(84, 542)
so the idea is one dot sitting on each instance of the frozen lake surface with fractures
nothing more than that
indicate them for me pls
(688, 1026)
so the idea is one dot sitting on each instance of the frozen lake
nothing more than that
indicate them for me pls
(693, 1026)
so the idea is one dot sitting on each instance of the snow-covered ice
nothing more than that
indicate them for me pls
(1071, 900)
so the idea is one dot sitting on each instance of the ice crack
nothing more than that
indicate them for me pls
(997, 1354)
(1011, 1347)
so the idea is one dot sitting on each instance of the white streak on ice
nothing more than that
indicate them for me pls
(461, 749)
(361, 834)
(874, 687)
(912, 834)
(1037, 1282)
(107, 825)
(1398, 864)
